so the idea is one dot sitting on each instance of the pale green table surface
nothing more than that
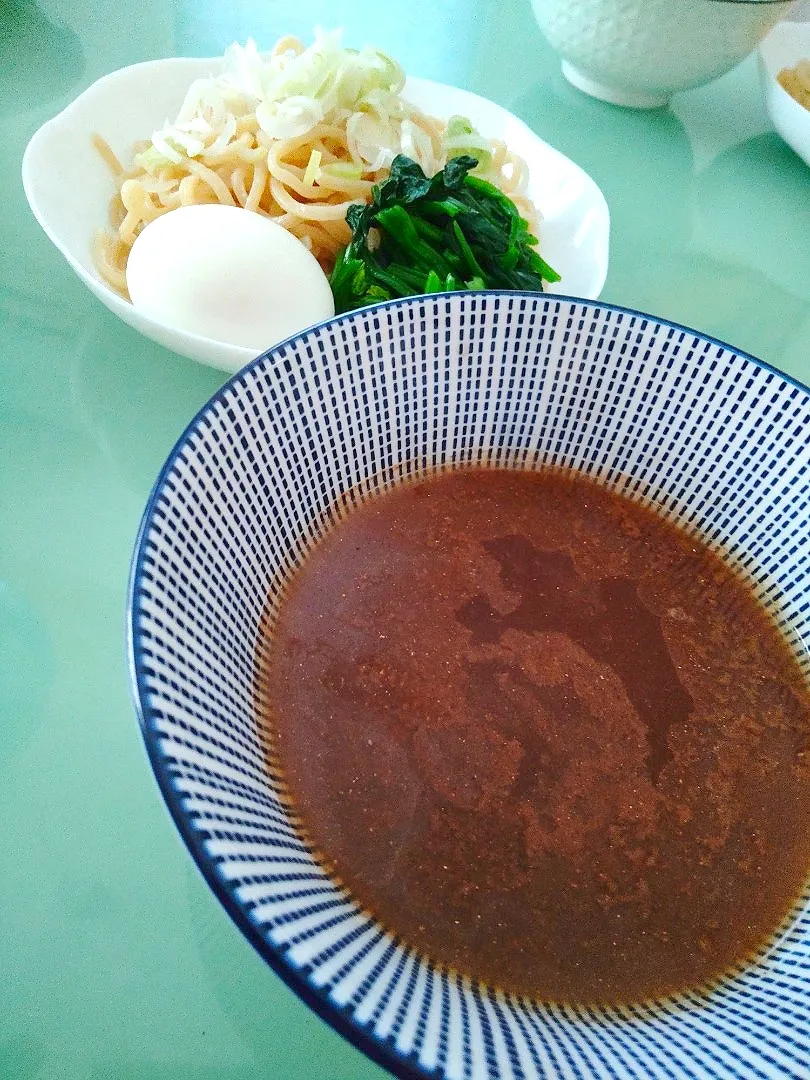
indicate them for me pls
(115, 959)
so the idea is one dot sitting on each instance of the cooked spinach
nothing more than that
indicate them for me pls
(448, 232)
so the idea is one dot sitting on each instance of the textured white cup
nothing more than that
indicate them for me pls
(640, 52)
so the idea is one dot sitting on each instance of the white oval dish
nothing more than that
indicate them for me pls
(786, 44)
(69, 187)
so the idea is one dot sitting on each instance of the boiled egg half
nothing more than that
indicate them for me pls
(228, 274)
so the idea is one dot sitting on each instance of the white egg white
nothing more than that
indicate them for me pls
(228, 274)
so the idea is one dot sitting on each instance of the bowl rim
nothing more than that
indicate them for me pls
(798, 36)
(798, 33)
(338, 1017)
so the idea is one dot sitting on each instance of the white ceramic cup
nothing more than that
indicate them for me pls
(640, 52)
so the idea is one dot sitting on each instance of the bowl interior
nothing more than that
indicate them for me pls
(714, 438)
(71, 202)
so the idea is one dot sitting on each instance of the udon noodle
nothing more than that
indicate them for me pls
(306, 182)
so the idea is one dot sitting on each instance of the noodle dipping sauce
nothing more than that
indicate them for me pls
(228, 274)
(548, 739)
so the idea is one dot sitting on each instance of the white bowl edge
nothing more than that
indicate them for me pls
(787, 43)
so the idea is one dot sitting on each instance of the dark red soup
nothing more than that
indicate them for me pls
(545, 737)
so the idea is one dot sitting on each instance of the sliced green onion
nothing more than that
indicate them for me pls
(152, 160)
(433, 283)
(313, 169)
(343, 170)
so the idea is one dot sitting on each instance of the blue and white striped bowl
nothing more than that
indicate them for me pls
(717, 439)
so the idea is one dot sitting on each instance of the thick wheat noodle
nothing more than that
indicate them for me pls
(213, 180)
(115, 166)
(330, 139)
(166, 199)
(336, 233)
(238, 186)
(110, 260)
(140, 210)
(239, 152)
(315, 211)
(187, 191)
(257, 187)
(117, 213)
(323, 238)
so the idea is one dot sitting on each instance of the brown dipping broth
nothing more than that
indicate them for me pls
(543, 735)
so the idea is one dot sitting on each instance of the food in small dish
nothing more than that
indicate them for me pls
(796, 80)
(226, 274)
(447, 233)
(71, 201)
(301, 136)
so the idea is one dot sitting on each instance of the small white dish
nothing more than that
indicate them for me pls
(69, 186)
(786, 44)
